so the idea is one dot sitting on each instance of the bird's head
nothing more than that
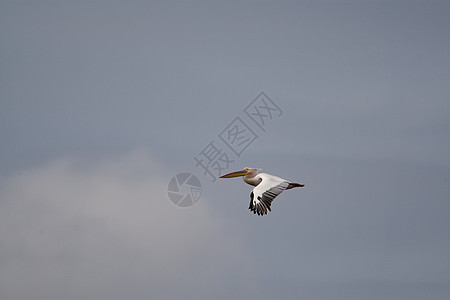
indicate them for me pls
(246, 171)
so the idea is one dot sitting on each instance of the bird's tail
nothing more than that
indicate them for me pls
(294, 185)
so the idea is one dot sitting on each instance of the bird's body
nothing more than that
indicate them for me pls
(266, 188)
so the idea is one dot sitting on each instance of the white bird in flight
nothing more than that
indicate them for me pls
(266, 188)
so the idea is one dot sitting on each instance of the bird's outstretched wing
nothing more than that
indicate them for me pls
(263, 194)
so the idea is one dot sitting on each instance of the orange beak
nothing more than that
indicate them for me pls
(235, 174)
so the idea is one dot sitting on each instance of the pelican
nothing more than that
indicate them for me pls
(266, 188)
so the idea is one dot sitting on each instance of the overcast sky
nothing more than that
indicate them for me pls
(103, 102)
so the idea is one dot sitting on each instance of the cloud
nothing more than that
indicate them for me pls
(106, 230)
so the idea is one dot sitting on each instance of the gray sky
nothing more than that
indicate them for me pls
(102, 102)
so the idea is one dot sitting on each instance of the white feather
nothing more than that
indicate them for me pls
(264, 193)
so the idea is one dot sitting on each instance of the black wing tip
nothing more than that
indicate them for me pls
(259, 211)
